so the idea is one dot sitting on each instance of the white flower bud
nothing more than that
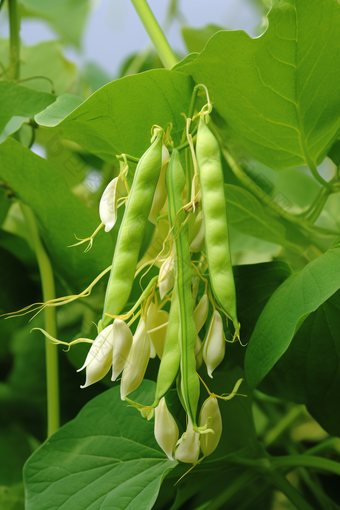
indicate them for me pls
(166, 278)
(201, 312)
(122, 341)
(166, 430)
(160, 192)
(156, 324)
(211, 411)
(188, 448)
(99, 359)
(198, 233)
(214, 344)
(108, 203)
(137, 361)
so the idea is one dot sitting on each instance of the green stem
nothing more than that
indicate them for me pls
(241, 483)
(280, 428)
(14, 39)
(318, 204)
(47, 282)
(281, 483)
(156, 33)
(309, 461)
(321, 447)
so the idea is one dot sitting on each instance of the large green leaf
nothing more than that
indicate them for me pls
(277, 91)
(60, 214)
(247, 214)
(308, 372)
(107, 457)
(287, 309)
(118, 118)
(196, 38)
(44, 60)
(68, 17)
(16, 100)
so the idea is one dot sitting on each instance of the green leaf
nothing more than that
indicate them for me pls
(16, 100)
(196, 38)
(276, 92)
(107, 457)
(68, 17)
(59, 212)
(308, 372)
(64, 105)
(118, 118)
(44, 60)
(247, 214)
(287, 309)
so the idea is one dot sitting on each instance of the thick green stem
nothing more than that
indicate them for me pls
(47, 282)
(309, 461)
(156, 33)
(281, 483)
(14, 39)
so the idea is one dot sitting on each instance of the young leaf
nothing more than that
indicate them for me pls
(287, 309)
(118, 118)
(16, 100)
(277, 91)
(107, 457)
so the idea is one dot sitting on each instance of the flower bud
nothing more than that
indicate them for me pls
(108, 202)
(198, 233)
(198, 352)
(201, 312)
(99, 359)
(214, 344)
(122, 341)
(137, 361)
(166, 430)
(188, 448)
(156, 324)
(160, 192)
(210, 411)
(166, 278)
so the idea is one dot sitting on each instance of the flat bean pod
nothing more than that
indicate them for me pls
(175, 182)
(215, 221)
(132, 229)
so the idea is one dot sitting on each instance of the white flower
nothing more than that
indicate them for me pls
(166, 277)
(214, 344)
(99, 359)
(201, 312)
(156, 324)
(122, 341)
(108, 202)
(166, 430)
(188, 448)
(210, 411)
(137, 361)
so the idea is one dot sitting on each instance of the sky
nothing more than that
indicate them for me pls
(114, 30)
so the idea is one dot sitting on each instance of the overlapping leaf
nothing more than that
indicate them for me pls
(287, 309)
(118, 118)
(277, 92)
(107, 457)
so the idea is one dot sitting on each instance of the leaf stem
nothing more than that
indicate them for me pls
(304, 460)
(283, 485)
(156, 33)
(274, 433)
(51, 352)
(14, 39)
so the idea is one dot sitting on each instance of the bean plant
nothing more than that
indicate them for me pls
(170, 265)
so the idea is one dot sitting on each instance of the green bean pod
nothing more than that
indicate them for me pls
(175, 182)
(132, 229)
(215, 221)
(170, 362)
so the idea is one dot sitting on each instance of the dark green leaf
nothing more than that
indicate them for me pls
(118, 118)
(60, 214)
(105, 458)
(308, 372)
(287, 309)
(276, 92)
